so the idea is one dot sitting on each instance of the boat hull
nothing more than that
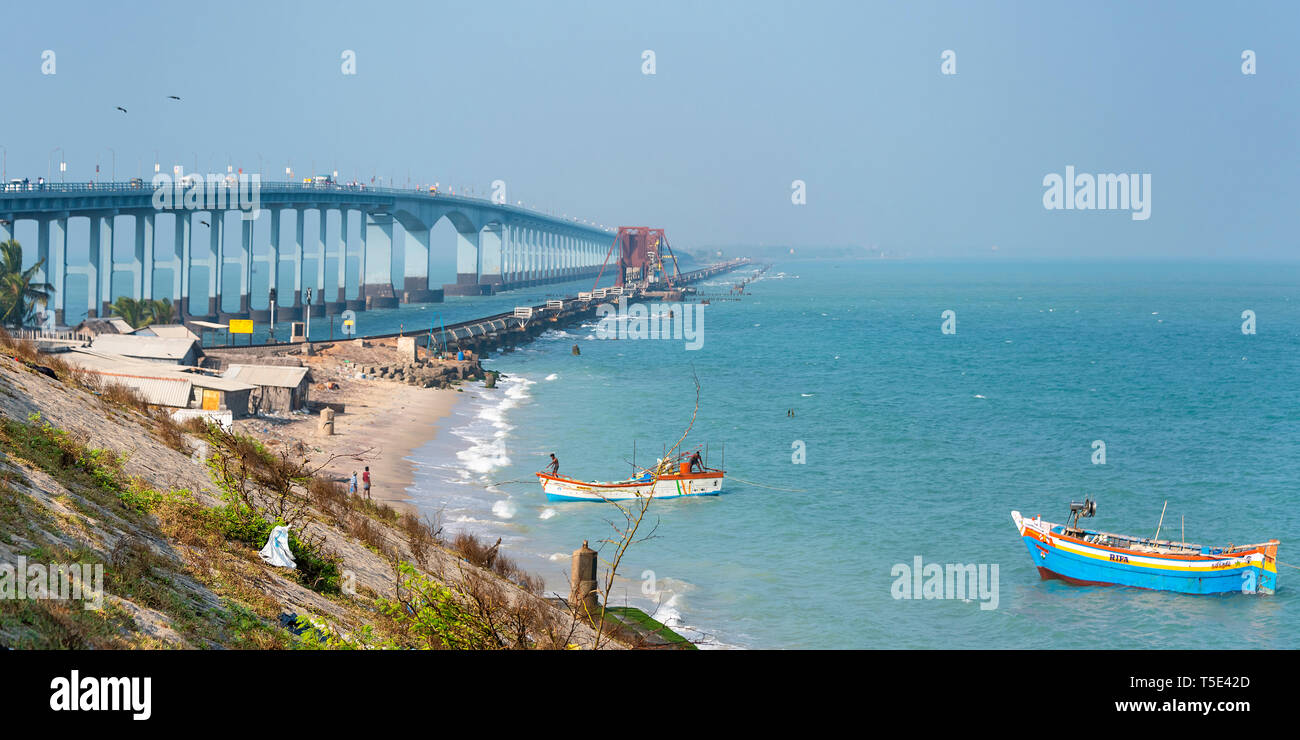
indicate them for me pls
(1083, 563)
(558, 488)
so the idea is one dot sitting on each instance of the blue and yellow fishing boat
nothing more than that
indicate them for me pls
(1091, 558)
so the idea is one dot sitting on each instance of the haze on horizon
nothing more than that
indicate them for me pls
(746, 98)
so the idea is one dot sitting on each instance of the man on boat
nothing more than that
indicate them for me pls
(554, 467)
(697, 465)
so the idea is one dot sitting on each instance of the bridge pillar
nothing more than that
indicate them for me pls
(104, 262)
(142, 262)
(322, 242)
(341, 280)
(300, 222)
(94, 264)
(415, 288)
(490, 242)
(534, 257)
(245, 264)
(377, 259)
(7, 229)
(363, 229)
(217, 260)
(181, 275)
(52, 246)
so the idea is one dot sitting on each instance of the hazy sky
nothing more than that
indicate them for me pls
(747, 97)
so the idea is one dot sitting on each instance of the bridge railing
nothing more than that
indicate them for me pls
(133, 187)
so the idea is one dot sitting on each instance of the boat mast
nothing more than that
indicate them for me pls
(1162, 519)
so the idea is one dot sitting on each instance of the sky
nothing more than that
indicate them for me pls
(746, 98)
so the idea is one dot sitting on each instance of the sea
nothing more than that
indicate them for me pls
(876, 417)
(866, 431)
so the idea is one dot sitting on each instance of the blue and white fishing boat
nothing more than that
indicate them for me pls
(1093, 558)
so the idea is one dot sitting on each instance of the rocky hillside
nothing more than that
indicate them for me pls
(176, 517)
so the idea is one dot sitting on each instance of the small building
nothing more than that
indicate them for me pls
(213, 393)
(163, 385)
(168, 331)
(162, 350)
(107, 325)
(279, 388)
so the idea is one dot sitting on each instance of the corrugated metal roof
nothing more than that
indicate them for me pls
(154, 348)
(155, 391)
(279, 376)
(137, 373)
(170, 331)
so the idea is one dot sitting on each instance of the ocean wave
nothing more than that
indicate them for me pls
(547, 513)
(504, 509)
(552, 376)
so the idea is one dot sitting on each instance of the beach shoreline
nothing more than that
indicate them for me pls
(382, 425)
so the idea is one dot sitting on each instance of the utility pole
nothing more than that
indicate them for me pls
(306, 310)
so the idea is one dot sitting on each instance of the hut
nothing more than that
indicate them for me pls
(162, 350)
(279, 388)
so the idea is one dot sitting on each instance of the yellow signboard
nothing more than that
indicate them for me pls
(241, 326)
(211, 400)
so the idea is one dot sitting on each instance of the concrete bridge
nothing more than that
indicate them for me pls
(498, 246)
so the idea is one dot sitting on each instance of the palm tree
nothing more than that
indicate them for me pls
(19, 293)
(134, 312)
(161, 311)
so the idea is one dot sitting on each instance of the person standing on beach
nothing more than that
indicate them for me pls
(352, 484)
(365, 481)
(554, 467)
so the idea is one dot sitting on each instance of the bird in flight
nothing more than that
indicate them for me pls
(205, 223)
(173, 97)
(121, 109)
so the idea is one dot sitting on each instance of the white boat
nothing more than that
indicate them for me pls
(670, 485)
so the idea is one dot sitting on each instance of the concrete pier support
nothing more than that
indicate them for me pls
(377, 285)
(245, 264)
(181, 274)
(490, 254)
(415, 288)
(300, 222)
(142, 258)
(341, 295)
(217, 260)
(102, 243)
(52, 238)
(322, 242)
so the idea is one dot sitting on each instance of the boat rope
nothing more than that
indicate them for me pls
(760, 485)
(1279, 562)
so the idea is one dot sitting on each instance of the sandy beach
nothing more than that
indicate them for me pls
(382, 424)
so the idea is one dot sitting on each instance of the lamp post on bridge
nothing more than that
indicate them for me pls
(49, 164)
(114, 170)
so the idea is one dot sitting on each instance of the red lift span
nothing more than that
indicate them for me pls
(642, 251)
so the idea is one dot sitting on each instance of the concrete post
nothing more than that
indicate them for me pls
(582, 583)
(327, 422)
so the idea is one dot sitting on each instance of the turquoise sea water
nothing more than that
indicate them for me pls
(917, 443)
